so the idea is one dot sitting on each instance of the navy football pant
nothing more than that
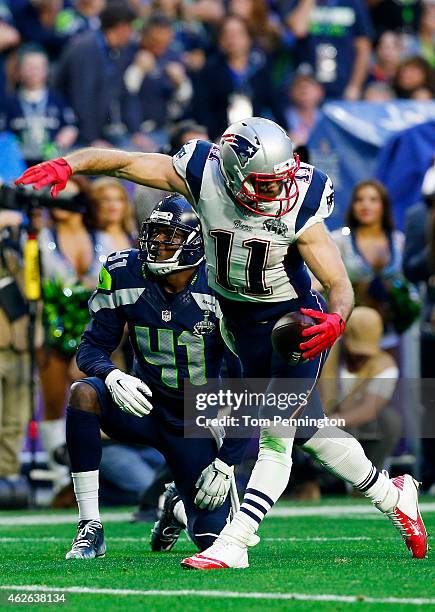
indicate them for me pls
(252, 335)
(186, 458)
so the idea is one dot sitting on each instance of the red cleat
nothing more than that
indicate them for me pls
(202, 563)
(222, 554)
(406, 516)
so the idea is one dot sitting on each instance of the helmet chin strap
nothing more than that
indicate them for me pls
(163, 268)
(270, 205)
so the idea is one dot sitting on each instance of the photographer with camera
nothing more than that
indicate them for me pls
(71, 258)
(66, 257)
(14, 361)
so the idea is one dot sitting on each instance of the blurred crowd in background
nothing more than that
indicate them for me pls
(81, 72)
(149, 76)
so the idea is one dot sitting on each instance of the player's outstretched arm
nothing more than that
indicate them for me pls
(151, 169)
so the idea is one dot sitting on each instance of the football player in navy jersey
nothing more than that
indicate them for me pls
(262, 215)
(161, 292)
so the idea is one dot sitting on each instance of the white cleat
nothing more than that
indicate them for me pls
(222, 554)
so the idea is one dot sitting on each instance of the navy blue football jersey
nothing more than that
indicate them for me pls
(174, 336)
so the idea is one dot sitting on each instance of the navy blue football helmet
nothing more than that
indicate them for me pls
(173, 225)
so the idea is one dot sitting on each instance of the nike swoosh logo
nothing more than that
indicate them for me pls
(118, 382)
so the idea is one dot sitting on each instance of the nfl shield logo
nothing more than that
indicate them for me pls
(166, 315)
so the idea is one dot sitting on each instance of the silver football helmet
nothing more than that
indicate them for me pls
(259, 166)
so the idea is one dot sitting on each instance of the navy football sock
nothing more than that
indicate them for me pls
(83, 440)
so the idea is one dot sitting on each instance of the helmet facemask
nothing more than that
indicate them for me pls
(256, 193)
(178, 244)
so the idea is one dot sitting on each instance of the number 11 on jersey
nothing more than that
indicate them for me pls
(258, 251)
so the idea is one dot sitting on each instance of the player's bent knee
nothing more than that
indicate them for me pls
(84, 397)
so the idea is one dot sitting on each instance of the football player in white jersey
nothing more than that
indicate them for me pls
(262, 218)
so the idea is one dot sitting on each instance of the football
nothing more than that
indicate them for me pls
(287, 336)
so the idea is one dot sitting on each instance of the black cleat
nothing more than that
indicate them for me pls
(89, 541)
(167, 529)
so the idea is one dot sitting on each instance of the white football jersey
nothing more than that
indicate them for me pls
(251, 257)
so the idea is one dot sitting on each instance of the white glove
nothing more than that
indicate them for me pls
(129, 393)
(214, 484)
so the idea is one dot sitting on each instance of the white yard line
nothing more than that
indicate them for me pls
(59, 519)
(415, 601)
(323, 539)
(367, 508)
(357, 511)
(145, 539)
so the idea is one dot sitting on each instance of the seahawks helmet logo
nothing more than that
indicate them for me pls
(242, 147)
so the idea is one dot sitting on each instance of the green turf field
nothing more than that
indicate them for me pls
(345, 557)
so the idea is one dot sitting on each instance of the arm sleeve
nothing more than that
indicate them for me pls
(104, 332)
(189, 163)
(318, 203)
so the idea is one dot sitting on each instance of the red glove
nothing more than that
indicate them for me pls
(325, 334)
(55, 173)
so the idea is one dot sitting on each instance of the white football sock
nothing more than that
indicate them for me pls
(268, 480)
(86, 491)
(180, 513)
(344, 456)
(383, 493)
(52, 434)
